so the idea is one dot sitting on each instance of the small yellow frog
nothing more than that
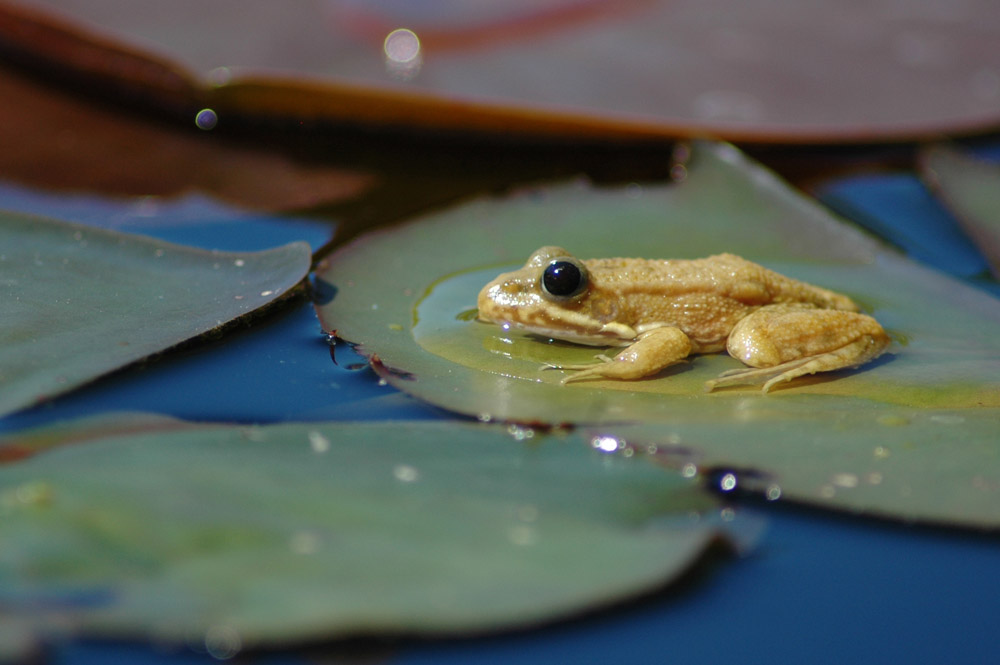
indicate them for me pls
(666, 310)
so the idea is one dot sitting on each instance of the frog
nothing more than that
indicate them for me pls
(662, 311)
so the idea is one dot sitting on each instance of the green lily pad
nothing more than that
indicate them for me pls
(971, 188)
(934, 466)
(406, 297)
(78, 302)
(264, 535)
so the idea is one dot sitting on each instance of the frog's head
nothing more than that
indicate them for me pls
(552, 295)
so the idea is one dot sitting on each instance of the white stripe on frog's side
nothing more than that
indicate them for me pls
(607, 337)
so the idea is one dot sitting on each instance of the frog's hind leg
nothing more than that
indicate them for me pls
(783, 342)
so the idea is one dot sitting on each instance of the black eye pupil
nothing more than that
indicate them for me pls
(562, 279)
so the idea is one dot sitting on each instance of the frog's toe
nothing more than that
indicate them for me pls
(769, 376)
(580, 366)
(609, 368)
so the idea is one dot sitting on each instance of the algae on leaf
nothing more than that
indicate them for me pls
(313, 531)
(77, 302)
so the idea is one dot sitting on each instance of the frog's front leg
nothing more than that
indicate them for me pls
(786, 341)
(652, 351)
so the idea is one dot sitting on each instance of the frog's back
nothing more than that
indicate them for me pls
(723, 275)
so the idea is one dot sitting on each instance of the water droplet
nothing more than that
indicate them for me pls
(607, 444)
(223, 642)
(405, 473)
(689, 470)
(239, 263)
(727, 514)
(727, 483)
(844, 480)
(678, 173)
(264, 294)
(519, 432)
(318, 442)
(403, 58)
(206, 119)
(881, 452)
(772, 493)
(158, 253)
(484, 417)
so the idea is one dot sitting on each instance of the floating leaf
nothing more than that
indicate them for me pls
(78, 302)
(405, 297)
(748, 70)
(273, 534)
(971, 188)
(937, 466)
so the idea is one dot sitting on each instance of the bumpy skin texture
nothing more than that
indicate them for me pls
(665, 310)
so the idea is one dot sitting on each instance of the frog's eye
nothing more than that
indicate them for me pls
(564, 278)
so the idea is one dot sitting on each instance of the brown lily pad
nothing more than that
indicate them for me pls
(759, 71)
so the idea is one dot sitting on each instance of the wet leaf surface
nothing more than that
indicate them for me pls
(405, 296)
(935, 466)
(79, 302)
(265, 535)
(970, 187)
(761, 71)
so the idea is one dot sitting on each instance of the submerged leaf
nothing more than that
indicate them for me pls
(404, 296)
(971, 188)
(311, 531)
(77, 302)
